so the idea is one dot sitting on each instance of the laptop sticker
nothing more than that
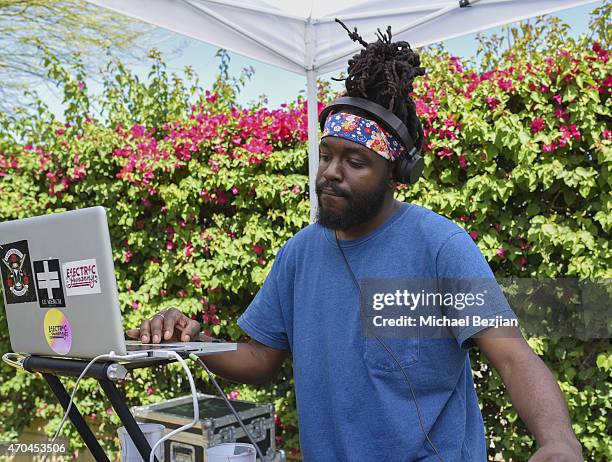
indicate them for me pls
(57, 331)
(49, 283)
(81, 277)
(16, 271)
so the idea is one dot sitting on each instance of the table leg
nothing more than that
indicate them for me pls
(127, 419)
(77, 419)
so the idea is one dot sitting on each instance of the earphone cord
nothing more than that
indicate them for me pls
(416, 403)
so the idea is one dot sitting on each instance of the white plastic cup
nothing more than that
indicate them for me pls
(231, 452)
(152, 432)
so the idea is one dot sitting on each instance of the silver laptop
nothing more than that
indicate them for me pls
(59, 288)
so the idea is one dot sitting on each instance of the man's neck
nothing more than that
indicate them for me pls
(388, 208)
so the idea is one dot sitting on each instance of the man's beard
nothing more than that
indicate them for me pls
(359, 208)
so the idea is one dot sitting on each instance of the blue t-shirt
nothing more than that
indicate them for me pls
(353, 401)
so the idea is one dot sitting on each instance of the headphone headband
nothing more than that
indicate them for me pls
(388, 119)
(410, 166)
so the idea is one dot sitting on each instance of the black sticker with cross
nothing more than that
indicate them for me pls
(49, 283)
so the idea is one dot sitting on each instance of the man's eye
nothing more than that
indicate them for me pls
(354, 164)
(323, 156)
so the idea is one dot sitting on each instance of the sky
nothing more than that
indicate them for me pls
(278, 85)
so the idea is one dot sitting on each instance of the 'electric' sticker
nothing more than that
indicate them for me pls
(81, 277)
(57, 331)
(49, 283)
(17, 272)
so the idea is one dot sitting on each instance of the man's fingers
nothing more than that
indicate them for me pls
(133, 333)
(156, 329)
(169, 323)
(191, 330)
(145, 331)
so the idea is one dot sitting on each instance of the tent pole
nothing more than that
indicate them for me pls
(313, 139)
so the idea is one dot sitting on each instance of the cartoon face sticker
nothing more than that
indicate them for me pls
(16, 271)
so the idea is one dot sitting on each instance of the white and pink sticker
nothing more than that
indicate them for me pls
(81, 277)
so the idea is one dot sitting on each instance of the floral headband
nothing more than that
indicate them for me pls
(363, 131)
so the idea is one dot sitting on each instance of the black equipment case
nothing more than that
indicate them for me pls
(217, 425)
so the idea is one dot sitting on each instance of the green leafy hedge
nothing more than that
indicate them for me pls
(201, 194)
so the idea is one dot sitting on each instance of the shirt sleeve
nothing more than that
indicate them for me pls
(263, 319)
(463, 271)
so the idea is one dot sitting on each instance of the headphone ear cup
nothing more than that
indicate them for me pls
(409, 168)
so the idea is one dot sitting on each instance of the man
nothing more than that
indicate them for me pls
(361, 398)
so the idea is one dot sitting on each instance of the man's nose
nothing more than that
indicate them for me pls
(333, 171)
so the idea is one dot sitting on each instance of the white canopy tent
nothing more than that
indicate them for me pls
(302, 37)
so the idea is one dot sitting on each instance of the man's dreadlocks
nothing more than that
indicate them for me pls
(384, 72)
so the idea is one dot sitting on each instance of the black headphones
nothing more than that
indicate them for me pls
(408, 168)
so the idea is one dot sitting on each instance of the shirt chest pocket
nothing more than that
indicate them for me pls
(385, 353)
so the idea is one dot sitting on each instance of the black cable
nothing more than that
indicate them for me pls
(227, 401)
(416, 403)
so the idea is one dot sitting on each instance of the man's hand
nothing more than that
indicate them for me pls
(557, 453)
(169, 325)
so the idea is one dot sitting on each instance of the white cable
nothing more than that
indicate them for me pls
(110, 355)
(227, 402)
(196, 408)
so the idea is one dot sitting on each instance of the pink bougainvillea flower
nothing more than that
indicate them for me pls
(462, 162)
(445, 152)
(501, 252)
(561, 113)
(474, 234)
(575, 132)
(150, 391)
(138, 131)
(504, 84)
(601, 53)
(188, 249)
(537, 125)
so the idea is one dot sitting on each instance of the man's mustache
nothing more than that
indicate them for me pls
(330, 186)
